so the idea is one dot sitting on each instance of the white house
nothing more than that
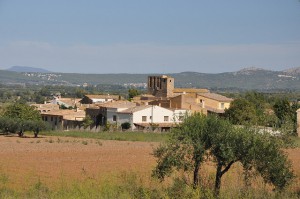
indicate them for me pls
(141, 117)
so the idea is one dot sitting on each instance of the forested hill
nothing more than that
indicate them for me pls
(249, 79)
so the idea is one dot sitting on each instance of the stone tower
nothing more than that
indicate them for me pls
(160, 86)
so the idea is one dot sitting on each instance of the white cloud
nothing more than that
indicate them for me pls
(148, 57)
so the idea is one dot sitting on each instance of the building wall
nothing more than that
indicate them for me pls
(153, 114)
(212, 103)
(55, 121)
(160, 86)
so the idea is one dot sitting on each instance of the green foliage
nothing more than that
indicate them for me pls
(129, 185)
(226, 144)
(11, 125)
(124, 136)
(87, 121)
(21, 117)
(126, 126)
(241, 112)
(184, 150)
(132, 93)
(22, 112)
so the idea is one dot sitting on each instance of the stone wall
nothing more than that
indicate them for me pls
(160, 86)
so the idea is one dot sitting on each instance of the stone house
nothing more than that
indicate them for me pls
(64, 119)
(182, 101)
(214, 103)
(99, 112)
(164, 94)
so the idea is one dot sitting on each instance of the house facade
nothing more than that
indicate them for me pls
(63, 119)
(143, 117)
(213, 102)
(101, 112)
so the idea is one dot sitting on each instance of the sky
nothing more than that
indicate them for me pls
(143, 36)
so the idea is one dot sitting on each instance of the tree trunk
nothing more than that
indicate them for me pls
(219, 175)
(36, 132)
(218, 179)
(21, 133)
(196, 176)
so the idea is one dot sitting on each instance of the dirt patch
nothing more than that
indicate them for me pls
(50, 159)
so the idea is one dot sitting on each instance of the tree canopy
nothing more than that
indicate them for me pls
(20, 117)
(202, 136)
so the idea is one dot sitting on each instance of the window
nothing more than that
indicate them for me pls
(181, 118)
(166, 118)
(222, 105)
(144, 118)
(51, 118)
(114, 118)
(150, 117)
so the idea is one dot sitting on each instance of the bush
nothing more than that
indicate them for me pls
(126, 126)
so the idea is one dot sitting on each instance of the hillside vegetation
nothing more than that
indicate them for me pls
(247, 79)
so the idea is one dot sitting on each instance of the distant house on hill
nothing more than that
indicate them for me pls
(92, 99)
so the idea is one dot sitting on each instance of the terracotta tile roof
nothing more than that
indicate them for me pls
(135, 109)
(189, 90)
(156, 124)
(118, 104)
(215, 96)
(44, 106)
(66, 114)
(103, 96)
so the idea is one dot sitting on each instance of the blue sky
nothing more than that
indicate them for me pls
(157, 36)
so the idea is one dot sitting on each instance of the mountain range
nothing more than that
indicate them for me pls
(27, 69)
(245, 79)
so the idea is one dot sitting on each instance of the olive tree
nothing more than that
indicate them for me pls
(225, 144)
(20, 117)
(185, 149)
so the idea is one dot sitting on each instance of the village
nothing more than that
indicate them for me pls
(161, 108)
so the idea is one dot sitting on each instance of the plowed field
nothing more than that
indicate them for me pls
(51, 159)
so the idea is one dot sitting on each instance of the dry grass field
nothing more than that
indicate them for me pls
(50, 160)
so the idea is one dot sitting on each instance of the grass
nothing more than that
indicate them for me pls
(297, 141)
(123, 136)
(131, 185)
